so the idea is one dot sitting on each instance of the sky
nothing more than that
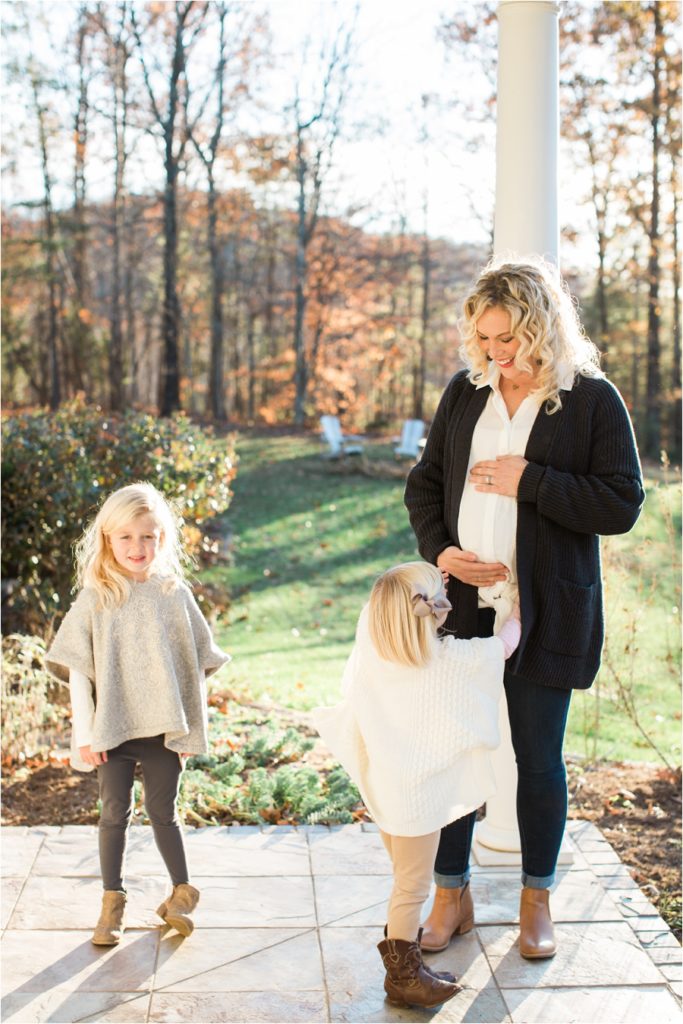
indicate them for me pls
(397, 60)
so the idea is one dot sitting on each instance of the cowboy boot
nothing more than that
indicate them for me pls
(406, 982)
(452, 914)
(536, 933)
(443, 975)
(177, 908)
(109, 928)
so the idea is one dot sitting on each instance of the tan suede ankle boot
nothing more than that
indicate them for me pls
(452, 914)
(109, 928)
(177, 908)
(536, 933)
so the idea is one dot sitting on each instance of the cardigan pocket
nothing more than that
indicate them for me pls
(569, 626)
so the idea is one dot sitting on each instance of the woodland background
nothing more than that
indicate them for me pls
(174, 257)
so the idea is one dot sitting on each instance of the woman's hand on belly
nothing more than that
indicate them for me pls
(467, 568)
(498, 476)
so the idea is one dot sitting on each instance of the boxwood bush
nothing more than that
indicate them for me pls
(57, 468)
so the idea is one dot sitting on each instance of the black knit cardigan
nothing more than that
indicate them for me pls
(583, 478)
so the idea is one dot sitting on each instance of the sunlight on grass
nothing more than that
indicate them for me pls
(308, 542)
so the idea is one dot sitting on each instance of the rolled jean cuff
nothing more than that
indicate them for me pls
(452, 881)
(536, 882)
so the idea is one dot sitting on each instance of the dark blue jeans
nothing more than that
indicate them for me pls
(538, 716)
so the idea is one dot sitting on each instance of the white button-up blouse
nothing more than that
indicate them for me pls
(487, 523)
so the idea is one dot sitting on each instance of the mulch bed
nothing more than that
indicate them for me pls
(637, 807)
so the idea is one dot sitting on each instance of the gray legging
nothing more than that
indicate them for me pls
(161, 770)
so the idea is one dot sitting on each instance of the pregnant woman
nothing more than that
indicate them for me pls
(530, 457)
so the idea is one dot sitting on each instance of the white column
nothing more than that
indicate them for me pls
(526, 222)
(527, 128)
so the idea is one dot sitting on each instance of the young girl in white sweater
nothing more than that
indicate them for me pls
(414, 732)
(135, 650)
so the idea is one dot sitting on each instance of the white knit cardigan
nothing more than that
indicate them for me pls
(416, 741)
(147, 661)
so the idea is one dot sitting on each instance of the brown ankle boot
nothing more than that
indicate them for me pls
(536, 933)
(177, 908)
(443, 975)
(109, 928)
(406, 982)
(452, 914)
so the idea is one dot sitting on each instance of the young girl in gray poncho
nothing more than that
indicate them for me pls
(136, 650)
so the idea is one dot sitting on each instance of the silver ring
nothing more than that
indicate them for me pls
(489, 480)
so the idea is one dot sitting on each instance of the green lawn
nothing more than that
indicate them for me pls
(309, 540)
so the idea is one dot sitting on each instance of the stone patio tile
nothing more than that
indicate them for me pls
(602, 855)
(584, 831)
(18, 852)
(633, 903)
(240, 960)
(649, 928)
(37, 962)
(352, 900)
(10, 889)
(614, 875)
(636, 1005)
(255, 902)
(66, 1006)
(74, 903)
(79, 830)
(485, 1006)
(344, 852)
(664, 955)
(237, 852)
(238, 1007)
(578, 896)
(69, 853)
(588, 954)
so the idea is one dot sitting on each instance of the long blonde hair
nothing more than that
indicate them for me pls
(96, 566)
(543, 318)
(396, 632)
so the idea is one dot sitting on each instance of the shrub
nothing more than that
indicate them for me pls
(31, 712)
(57, 468)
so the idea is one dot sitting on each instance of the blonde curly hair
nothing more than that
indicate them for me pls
(543, 318)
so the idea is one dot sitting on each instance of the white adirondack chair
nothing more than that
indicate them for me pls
(412, 439)
(337, 441)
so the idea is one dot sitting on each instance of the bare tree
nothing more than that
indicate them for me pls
(226, 94)
(50, 237)
(182, 32)
(317, 127)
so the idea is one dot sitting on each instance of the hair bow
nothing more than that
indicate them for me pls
(438, 607)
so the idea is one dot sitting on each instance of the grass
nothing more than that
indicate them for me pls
(308, 540)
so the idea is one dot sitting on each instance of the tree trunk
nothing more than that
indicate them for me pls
(49, 245)
(636, 340)
(652, 424)
(80, 332)
(300, 369)
(216, 382)
(251, 366)
(676, 411)
(119, 109)
(170, 372)
(418, 405)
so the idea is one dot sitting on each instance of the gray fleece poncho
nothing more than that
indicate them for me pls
(147, 661)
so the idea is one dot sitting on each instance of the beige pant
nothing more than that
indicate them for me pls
(412, 858)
